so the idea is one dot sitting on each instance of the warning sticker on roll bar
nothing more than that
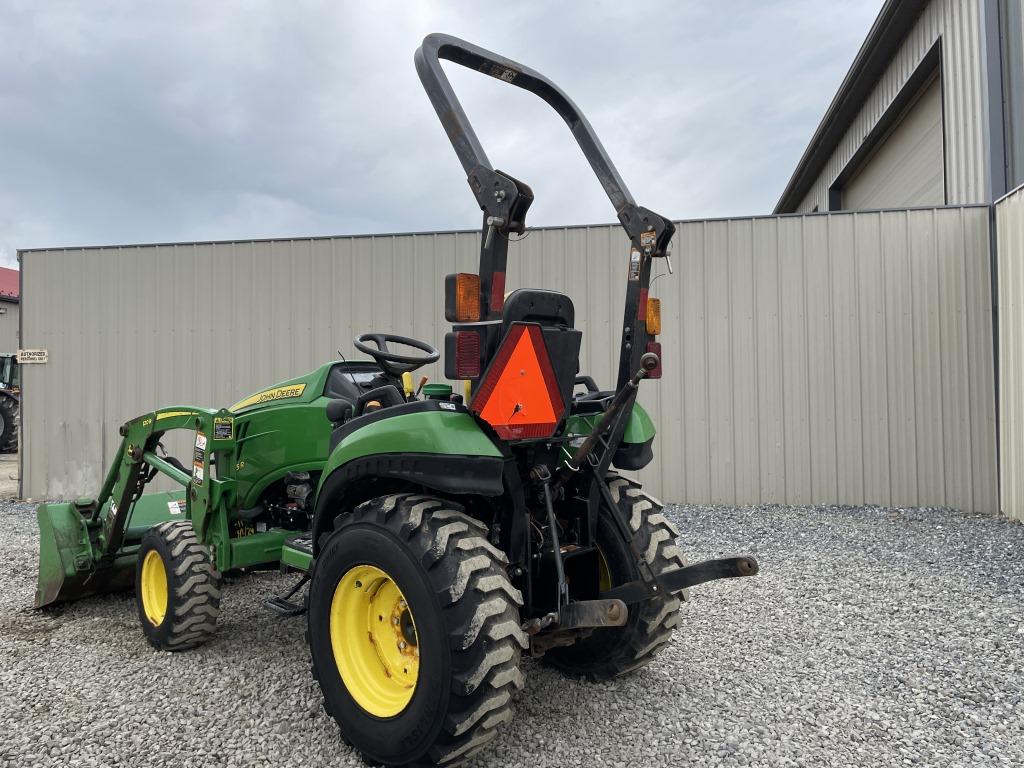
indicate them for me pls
(500, 72)
(634, 264)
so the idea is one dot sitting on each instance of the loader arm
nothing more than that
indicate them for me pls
(83, 545)
(126, 479)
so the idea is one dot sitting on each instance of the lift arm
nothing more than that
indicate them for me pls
(86, 546)
(137, 455)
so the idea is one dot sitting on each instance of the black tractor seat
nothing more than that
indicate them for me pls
(535, 305)
(555, 314)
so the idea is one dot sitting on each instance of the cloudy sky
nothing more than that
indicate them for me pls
(124, 122)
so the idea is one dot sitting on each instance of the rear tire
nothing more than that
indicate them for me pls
(613, 651)
(177, 589)
(466, 630)
(9, 408)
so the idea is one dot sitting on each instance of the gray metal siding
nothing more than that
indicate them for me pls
(1012, 20)
(959, 24)
(828, 358)
(9, 319)
(905, 171)
(1010, 249)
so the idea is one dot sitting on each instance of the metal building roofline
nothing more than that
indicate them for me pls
(894, 21)
(428, 233)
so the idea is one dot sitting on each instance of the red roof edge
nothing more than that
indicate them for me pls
(9, 284)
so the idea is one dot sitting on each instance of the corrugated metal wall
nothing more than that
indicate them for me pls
(841, 358)
(960, 25)
(905, 170)
(1012, 20)
(10, 312)
(1010, 250)
(830, 358)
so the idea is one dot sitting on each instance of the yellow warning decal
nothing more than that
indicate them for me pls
(172, 414)
(223, 428)
(267, 395)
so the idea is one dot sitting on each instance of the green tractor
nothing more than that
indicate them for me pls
(10, 403)
(438, 535)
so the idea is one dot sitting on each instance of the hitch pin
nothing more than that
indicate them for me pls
(493, 222)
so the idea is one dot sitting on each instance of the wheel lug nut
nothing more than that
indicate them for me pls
(401, 604)
(394, 620)
(401, 644)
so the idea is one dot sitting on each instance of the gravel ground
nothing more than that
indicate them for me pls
(872, 637)
(8, 475)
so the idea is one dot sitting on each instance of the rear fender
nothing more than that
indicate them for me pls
(634, 452)
(430, 446)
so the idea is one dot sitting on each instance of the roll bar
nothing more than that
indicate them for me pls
(505, 200)
(467, 146)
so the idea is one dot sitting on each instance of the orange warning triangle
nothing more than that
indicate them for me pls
(519, 396)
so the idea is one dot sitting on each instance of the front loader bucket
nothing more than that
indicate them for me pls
(66, 567)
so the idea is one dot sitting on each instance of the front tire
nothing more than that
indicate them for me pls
(423, 567)
(177, 589)
(613, 651)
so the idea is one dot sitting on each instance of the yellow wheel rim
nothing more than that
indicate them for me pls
(373, 637)
(154, 588)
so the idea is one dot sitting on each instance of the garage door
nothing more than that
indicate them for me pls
(907, 167)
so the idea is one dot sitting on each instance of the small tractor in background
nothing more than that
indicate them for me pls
(437, 534)
(10, 403)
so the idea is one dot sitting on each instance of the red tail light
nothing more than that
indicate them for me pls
(655, 347)
(467, 355)
(497, 292)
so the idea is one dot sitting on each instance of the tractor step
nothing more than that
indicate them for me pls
(283, 604)
(297, 552)
(284, 607)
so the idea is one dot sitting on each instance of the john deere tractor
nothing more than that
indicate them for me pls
(437, 535)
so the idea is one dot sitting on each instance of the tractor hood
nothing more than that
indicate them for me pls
(295, 390)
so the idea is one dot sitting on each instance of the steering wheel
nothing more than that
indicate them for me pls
(392, 362)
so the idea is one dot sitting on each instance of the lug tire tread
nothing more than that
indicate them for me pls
(479, 607)
(194, 590)
(658, 617)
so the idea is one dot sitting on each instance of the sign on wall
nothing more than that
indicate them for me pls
(32, 356)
